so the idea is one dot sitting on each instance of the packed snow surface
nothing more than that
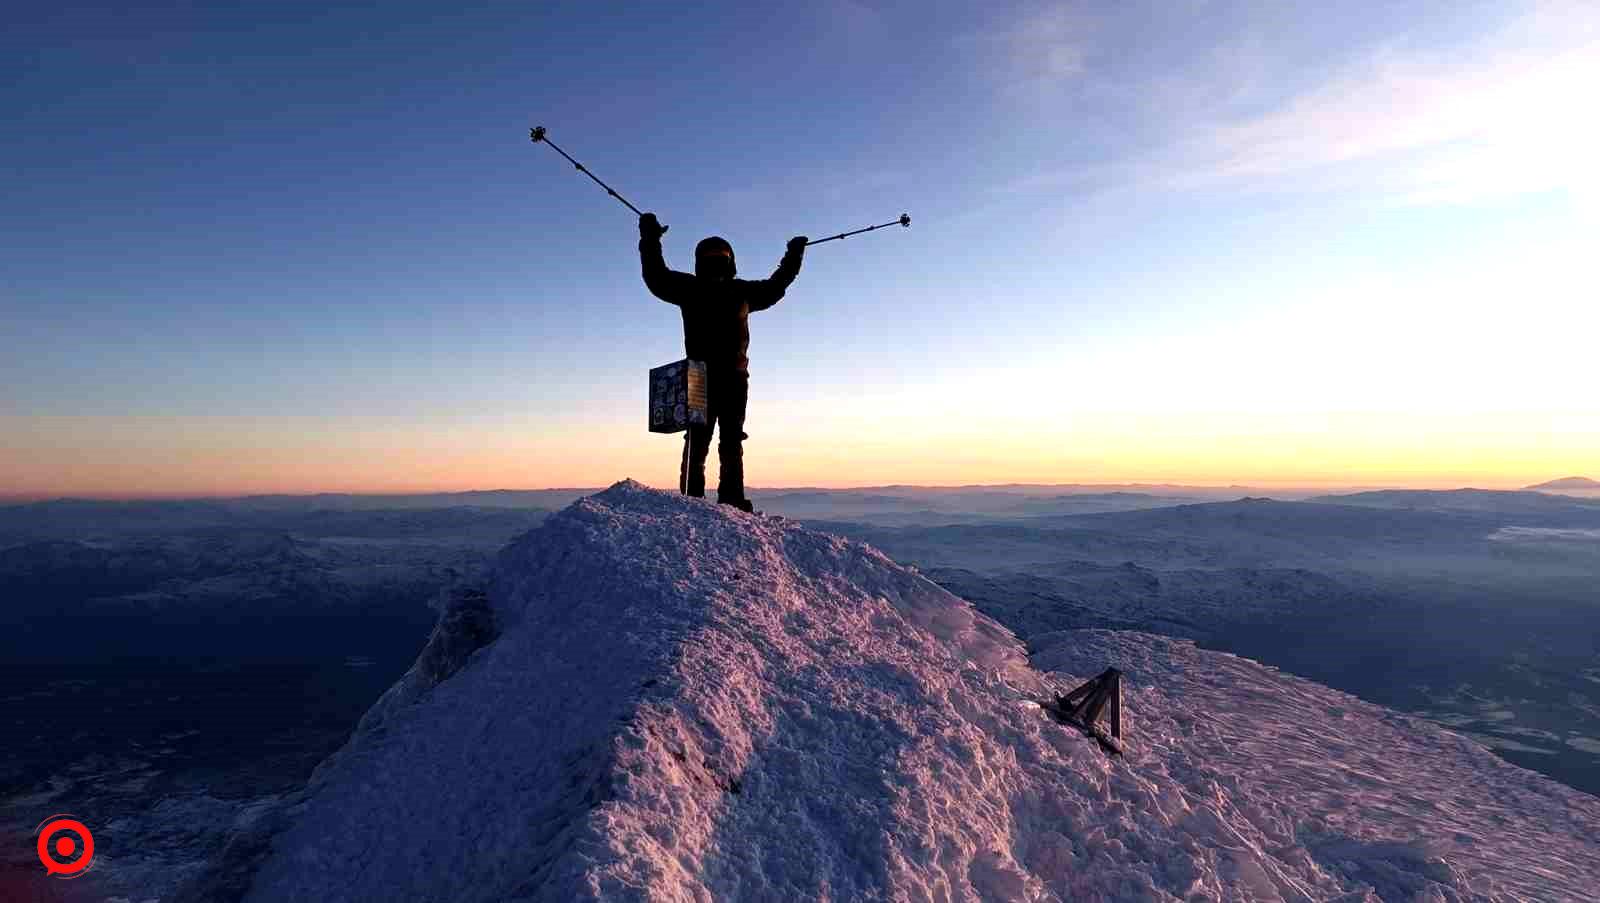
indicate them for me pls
(686, 703)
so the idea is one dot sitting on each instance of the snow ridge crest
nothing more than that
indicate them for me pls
(681, 701)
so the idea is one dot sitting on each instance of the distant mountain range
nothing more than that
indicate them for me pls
(1569, 483)
(1550, 508)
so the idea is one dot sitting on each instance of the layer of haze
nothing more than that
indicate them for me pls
(278, 249)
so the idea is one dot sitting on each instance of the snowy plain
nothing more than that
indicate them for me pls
(681, 702)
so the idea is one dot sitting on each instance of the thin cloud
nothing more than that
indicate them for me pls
(1512, 122)
(854, 19)
(1510, 114)
(1037, 50)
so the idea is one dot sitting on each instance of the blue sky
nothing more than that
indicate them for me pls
(1206, 241)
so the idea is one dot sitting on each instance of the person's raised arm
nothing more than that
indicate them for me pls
(670, 286)
(763, 293)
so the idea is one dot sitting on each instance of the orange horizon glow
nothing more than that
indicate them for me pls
(127, 458)
(1152, 485)
(663, 476)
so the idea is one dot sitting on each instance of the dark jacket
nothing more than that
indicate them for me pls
(716, 312)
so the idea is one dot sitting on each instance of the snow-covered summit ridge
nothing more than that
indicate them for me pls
(676, 701)
(663, 546)
(681, 698)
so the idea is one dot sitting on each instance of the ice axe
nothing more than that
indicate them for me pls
(537, 134)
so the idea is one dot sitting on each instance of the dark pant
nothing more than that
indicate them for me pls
(727, 393)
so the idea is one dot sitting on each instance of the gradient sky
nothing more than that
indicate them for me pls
(301, 247)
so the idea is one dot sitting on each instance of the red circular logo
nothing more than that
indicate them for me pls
(57, 846)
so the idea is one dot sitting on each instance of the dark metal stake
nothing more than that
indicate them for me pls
(683, 471)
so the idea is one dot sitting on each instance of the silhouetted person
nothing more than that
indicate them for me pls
(716, 309)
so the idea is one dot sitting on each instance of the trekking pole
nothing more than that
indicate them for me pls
(904, 220)
(537, 135)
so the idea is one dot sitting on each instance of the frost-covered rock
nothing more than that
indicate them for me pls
(677, 701)
(466, 624)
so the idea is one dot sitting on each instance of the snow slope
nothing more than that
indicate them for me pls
(680, 702)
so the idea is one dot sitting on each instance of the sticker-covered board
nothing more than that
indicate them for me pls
(677, 396)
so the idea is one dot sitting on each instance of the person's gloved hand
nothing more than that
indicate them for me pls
(797, 245)
(650, 228)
